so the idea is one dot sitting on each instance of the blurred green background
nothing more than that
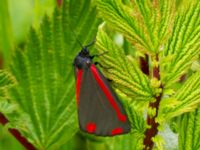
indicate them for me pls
(16, 17)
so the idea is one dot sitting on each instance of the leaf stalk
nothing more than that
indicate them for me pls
(16, 134)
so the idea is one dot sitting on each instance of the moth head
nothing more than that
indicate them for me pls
(82, 62)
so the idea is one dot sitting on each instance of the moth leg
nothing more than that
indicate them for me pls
(109, 80)
(91, 43)
(97, 63)
(106, 68)
(97, 55)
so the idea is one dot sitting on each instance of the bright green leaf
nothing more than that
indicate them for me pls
(184, 45)
(124, 72)
(189, 131)
(146, 24)
(186, 99)
(6, 79)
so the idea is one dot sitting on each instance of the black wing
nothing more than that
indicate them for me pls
(97, 114)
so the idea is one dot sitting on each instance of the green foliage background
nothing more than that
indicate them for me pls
(37, 82)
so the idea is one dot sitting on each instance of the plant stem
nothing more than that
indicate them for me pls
(1, 61)
(144, 64)
(183, 78)
(153, 130)
(59, 3)
(17, 134)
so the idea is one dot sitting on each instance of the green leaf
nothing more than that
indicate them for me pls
(6, 107)
(146, 24)
(186, 99)
(6, 82)
(6, 79)
(124, 71)
(184, 45)
(44, 72)
(138, 124)
(189, 131)
(159, 142)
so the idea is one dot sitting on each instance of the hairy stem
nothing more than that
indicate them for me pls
(153, 130)
(17, 134)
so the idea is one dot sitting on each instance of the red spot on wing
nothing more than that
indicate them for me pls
(78, 85)
(117, 131)
(91, 127)
(109, 96)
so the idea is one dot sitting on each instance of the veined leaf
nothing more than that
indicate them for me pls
(184, 45)
(186, 99)
(138, 124)
(6, 79)
(6, 107)
(124, 72)
(146, 24)
(189, 131)
(44, 72)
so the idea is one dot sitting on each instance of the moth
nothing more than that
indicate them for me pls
(100, 112)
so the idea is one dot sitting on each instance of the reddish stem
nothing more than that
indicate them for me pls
(17, 134)
(1, 61)
(183, 78)
(14, 132)
(153, 130)
(3, 120)
(59, 2)
(144, 64)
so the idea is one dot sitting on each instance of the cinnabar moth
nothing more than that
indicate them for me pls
(99, 110)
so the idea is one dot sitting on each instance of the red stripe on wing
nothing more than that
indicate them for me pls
(78, 85)
(106, 91)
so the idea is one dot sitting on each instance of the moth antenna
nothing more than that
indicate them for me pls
(90, 44)
(76, 37)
